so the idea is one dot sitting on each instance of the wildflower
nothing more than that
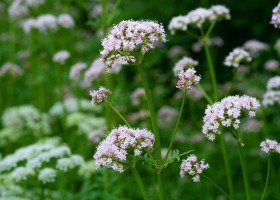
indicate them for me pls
(271, 98)
(10, 68)
(76, 69)
(269, 146)
(273, 83)
(167, 115)
(178, 23)
(227, 113)
(137, 96)
(187, 79)
(95, 136)
(215, 41)
(17, 10)
(21, 173)
(220, 12)
(64, 164)
(271, 65)
(255, 46)
(237, 56)
(192, 167)
(65, 20)
(99, 95)
(276, 16)
(127, 37)
(46, 22)
(61, 56)
(47, 175)
(122, 142)
(185, 62)
(29, 24)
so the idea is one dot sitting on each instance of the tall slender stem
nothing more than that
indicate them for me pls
(243, 165)
(140, 183)
(267, 176)
(176, 126)
(204, 94)
(118, 113)
(217, 186)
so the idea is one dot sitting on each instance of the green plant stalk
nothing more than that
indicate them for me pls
(177, 124)
(139, 182)
(155, 129)
(42, 197)
(205, 94)
(243, 165)
(217, 186)
(267, 176)
(118, 113)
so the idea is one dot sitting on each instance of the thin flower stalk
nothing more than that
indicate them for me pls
(139, 182)
(206, 96)
(118, 113)
(267, 176)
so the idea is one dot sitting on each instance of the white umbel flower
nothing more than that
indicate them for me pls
(47, 175)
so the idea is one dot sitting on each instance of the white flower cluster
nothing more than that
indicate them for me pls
(76, 70)
(276, 16)
(61, 56)
(10, 68)
(21, 8)
(269, 146)
(48, 22)
(187, 79)
(127, 37)
(271, 65)
(100, 95)
(237, 56)
(255, 46)
(184, 63)
(272, 96)
(226, 113)
(198, 17)
(119, 144)
(192, 167)
(30, 161)
(138, 96)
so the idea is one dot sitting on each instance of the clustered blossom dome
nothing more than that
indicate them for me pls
(198, 17)
(271, 98)
(273, 83)
(21, 8)
(237, 56)
(100, 95)
(61, 56)
(187, 79)
(122, 142)
(276, 16)
(192, 167)
(269, 146)
(255, 46)
(185, 62)
(226, 113)
(125, 38)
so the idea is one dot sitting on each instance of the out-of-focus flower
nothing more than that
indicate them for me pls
(252, 126)
(271, 65)
(96, 136)
(76, 70)
(137, 96)
(46, 22)
(191, 166)
(176, 52)
(47, 175)
(236, 57)
(10, 68)
(273, 83)
(167, 115)
(65, 20)
(269, 146)
(129, 38)
(184, 63)
(216, 41)
(17, 9)
(121, 143)
(227, 113)
(187, 79)
(271, 98)
(275, 20)
(61, 56)
(100, 95)
(255, 46)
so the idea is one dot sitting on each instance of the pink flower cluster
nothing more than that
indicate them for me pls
(276, 16)
(122, 142)
(237, 56)
(100, 95)
(198, 17)
(185, 62)
(128, 36)
(192, 167)
(187, 79)
(226, 113)
(76, 70)
(269, 146)
(273, 83)
(271, 98)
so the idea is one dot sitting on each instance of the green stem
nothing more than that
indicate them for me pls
(243, 165)
(42, 192)
(205, 94)
(118, 113)
(217, 186)
(176, 126)
(267, 176)
(140, 183)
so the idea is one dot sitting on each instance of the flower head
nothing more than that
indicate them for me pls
(273, 83)
(121, 143)
(99, 95)
(76, 69)
(255, 46)
(271, 98)
(276, 16)
(192, 167)
(61, 56)
(65, 20)
(47, 175)
(187, 79)
(10, 68)
(269, 146)
(237, 56)
(271, 65)
(127, 37)
(227, 113)
(185, 62)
